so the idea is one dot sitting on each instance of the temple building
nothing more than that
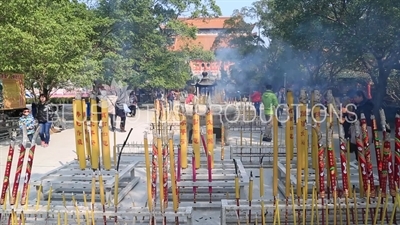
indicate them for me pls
(207, 31)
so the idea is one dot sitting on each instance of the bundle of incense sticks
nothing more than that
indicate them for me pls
(367, 153)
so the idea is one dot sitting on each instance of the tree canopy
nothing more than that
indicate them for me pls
(318, 40)
(69, 42)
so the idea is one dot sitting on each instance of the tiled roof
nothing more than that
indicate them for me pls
(206, 41)
(206, 23)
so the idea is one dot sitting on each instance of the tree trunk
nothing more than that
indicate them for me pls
(380, 92)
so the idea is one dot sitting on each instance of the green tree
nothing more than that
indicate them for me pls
(48, 41)
(135, 36)
(364, 33)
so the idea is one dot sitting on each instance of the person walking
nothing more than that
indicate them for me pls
(44, 116)
(256, 100)
(270, 102)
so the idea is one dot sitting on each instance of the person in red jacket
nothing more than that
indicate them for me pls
(256, 100)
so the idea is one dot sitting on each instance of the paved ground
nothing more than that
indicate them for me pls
(62, 147)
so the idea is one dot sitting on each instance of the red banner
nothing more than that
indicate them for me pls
(213, 68)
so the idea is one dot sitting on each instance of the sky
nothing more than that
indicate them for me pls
(228, 6)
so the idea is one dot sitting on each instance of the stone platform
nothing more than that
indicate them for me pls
(69, 180)
(223, 184)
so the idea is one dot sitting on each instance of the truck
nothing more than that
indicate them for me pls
(12, 102)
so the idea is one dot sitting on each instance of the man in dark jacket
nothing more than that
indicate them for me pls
(365, 106)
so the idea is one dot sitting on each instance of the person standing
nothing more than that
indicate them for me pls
(281, 95)
(121, 107)
(171, 99)
(111, 100)
(97, 89)
(26, 121)
(365, 106)
(256, 100)
(270, 102)
(44, 116)
(133, 103)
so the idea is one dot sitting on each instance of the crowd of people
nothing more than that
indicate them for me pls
(274, 100)
(123, 105)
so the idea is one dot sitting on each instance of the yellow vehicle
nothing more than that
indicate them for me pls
(12, 102)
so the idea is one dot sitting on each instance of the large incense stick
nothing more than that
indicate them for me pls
(237, 190)
(173, 177)
(367, 154)
(148, 174)
(209, 166)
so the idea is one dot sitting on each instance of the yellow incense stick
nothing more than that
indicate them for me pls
(63, 199)
(58, 218)
(347, 209)
(313, 205)
(326, 213)
(304, 205)
(172, 172)
(340, 212)
(160, 169)
(334, 206)
(350, 191)
(275, 155)
(27, 198)
(288, 159)
(92, 216)
(84, 199)
(368, 199)
(38, 196)
(116, 189)
(276, 211)
(13, 217)
(396, 202)
(148, 173)
(78, 218)
(65, 218)
(5, 200)
(222, 142)
(93, 197)
(355, 205)
(87, 217)
(378, 205)
(262, 194)
(17, 199)
(385, 206)
(49, 198)
(23, 217)
(115, 148)
(293, 205)
(316, 204)
(101, 183)
(299, 163)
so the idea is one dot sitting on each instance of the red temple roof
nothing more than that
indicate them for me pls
(206, 23)
(204, 40)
